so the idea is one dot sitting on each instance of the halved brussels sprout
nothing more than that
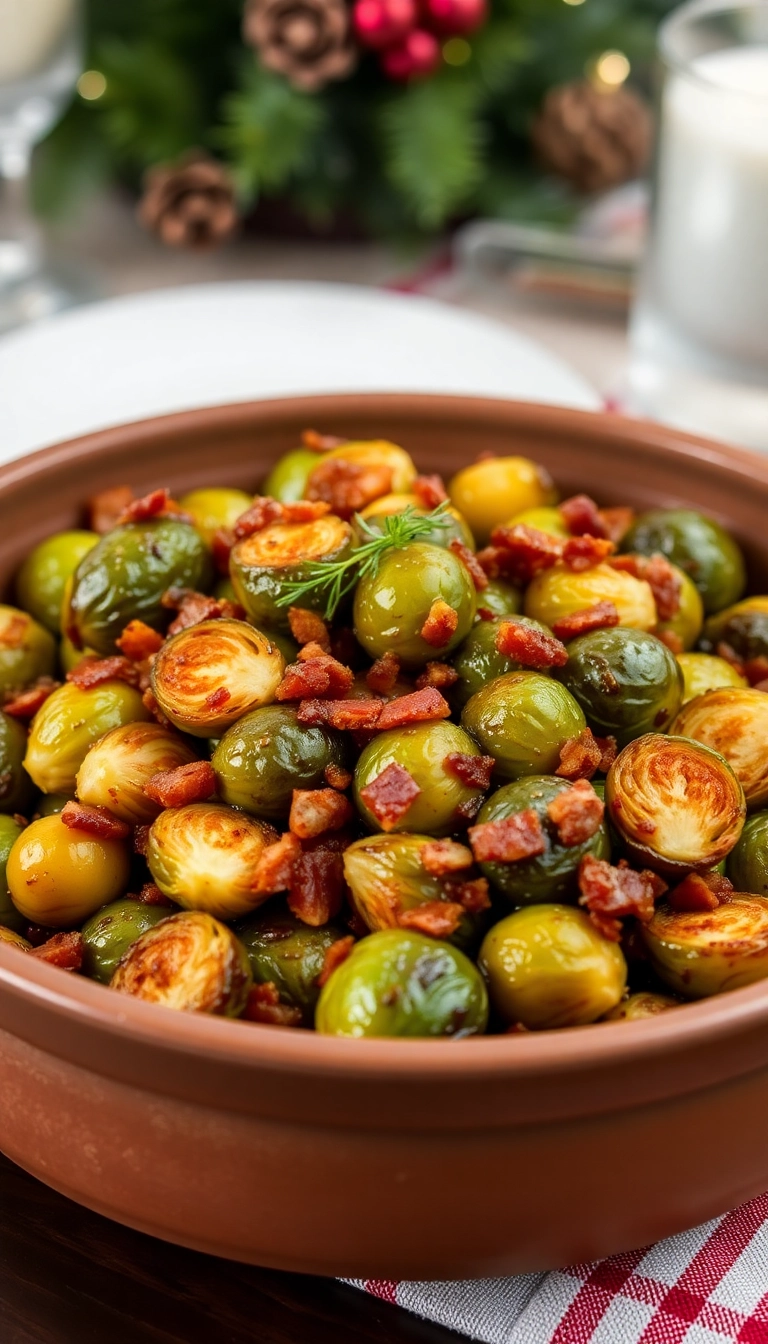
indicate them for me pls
(13, 939)
(203, 857)
(403, 984)
(677, 804)
(491, 492)
(547, 966)
(704, 952)
(523, 719)
(122, 762)
(452, 526)
(643, 1004)
(376, 453)
(58, 876)
(287, 480)
(109, 933)
(748, 860)
(706, 672)
(190, 962)
(262, 565)
(42, 578)
(421, 749)
(386, 876)
(27, 649)
(268, 754)
(733, 721)
(393, 602)
(560, 591)
(478, 661)
(289, 954)
(501, 598)
(208, 676)
(549, 520)
(214, 507)
(626, 681)
(15, 784)
(10, 917)
(67, 725)
(743, 627)
(696, 544)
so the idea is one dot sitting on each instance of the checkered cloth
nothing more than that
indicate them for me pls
(708, 1286)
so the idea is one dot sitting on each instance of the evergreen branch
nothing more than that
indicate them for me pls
(268, 131)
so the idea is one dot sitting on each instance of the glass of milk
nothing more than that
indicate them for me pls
(40, 61)
(699, 330)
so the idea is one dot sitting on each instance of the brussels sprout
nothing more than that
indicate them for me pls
(549, 520)
(748, 860)
(68, 724)
(547, 966)
(626, 681)
(10, 917)
(373, 453)
(58, 876)
(676, 804)
(262, 565)
(705, 672)
(13, 939)
(733, 721)
(109, 933)
(643, 1004)
(479, 662)
(190, 962)
(553, 875)
(121, 763)
(213, 508)
(704, 952)
(403, 984)
(696, 544)
(452, 526)
(27, 649)
(209, 675)
(421, 749)
(203, 857)
(290, 954)
(743, 627)
(15, 784)
(287, 481)
(689, 617)
(125, 576)
(43, 576)
(501, 598)
(493, 491)
(386, 876)
(560, 591)
(393, 603)
(523, 719)
(263, 758)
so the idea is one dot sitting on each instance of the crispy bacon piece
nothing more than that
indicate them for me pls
(315, 811)
(308, 627)
(441, 858)
(105, 509)
(341, 714)
(582, 517)
(335, 955)
(581, 756)
(520, 552)
(529, 646)
(320, 443)
(471, 894)
(755, 670)
(274, 869)
(617, 522)
(416, 707)
(217, 699)
(382, 677)
(95, 671)
(484, 614)
(658, 573)
(263, 511)
(470, 563)
(474, 771)
(65, 950)
(264, 1006)
(466, 812)
(430, 491)
(440, 624)
(693, 894)
(95, 820)
(436, 919)
(508, 840)
(305, 510)
(577, 813)
(439, 675)
(609, 748)
(347, 487)
(25, 704)
(191, 783)
(601, 616)
(152, 895)
(390, 795)
(157, 504)
(192, 608)
(139, 641)
(611, 893)
(580, 553)
(318, 676)
(317, 882)
(337, 777)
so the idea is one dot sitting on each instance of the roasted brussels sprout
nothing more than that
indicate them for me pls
(124, 577)
(287, 481)
(688, 620)
(121, 763)
(699, 953)
(58, 877)
(493, 491)
(377, 454)
(549, 520)
(10, 917)
(743, 627)
(262, 565)
(560, 591)
(27, 649)
(290, 954)
(696, 544)
(188, 961)
(15, 784)
(208, 676)
(452, 526)
(109, 933)
(479, 662)
(706, 672)
(13, 939)
(501, 598)
(643, 1004)
(268, 754)
(523, 719)
(42, 578)
(68, 724)
(553, 875)
(677, 805)
(393, 604)
(547, 966)
(403, 984)
(214, 508)
(203, 857)
(421, 749)
(626, 681)
(733, 721)
(748, 860)
(386, 876)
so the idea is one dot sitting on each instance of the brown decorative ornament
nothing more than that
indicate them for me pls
(308, 41)
(190, 203)
(593, 138)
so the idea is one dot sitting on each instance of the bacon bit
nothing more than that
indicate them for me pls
(580, 553)
(191, 783)
(672, 640)
(335, 955)
(430, 491)
(65, 950)
(317, 883)
(661, 578)
(315, 811)
(221, 548)
(95, 671)
(192, 608)
(466, 812)
(317, 676)
(139, 641)
(390, 795)
(274, 868)
(529, 646)
(436, 919)
(311, 650)
(320, 443)
(382, 676)
(25, 704)
(577, 813)
(442, 857)
(756, 670)
(308, 627)
(471, 895)
(601, 616)
(474, 771)
(141, 840)
(519, 836)
(484, 614)
(337, 777)
(719, 884)
(416, 707)
(520, 552)
(305, 510)
(341, 714)
(693, 894)
(439, 675)
(157, 504)
(217, 699)
(582, 517)
(263, 1006)
(95, 820)
(470, 562)
(152, 895)
(440, 625)
(617, 522)
(490, 560)
(260, 514)
(105, 509)
(347, 487)
(610, 750)
(616, 892)
(580, 757)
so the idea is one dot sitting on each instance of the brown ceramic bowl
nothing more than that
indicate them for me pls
(386, 1159)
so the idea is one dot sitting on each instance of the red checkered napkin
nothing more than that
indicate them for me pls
(708, 1286)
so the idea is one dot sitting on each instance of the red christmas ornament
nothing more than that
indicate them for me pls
(417, 56)
(456, 17)
(381, 23)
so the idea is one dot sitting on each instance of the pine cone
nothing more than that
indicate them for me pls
(308, 41)
(591, 138)
(190, 203)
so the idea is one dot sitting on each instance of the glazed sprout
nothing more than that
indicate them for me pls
(706, 672)
(419, 603)
(203, 857)
(645, 1003)
(704, 952)
(677, 804)
(66, 726)
(395, 983)
(118, 766)
(288, 954)
(208, 676)
(523, 719)
(214, 508)
(548, 966)
(279, 560)
(626, 681)
(748, 860)
(696, 544)
(109, 933)
(491, 492)
(452, 526)
(386, 876)
(287, 480)
(733, 721)
(190, 962)
(478, 662)
(386, 467)
(549, 520)
(421, 749)
(501, 598)
(743, 627)
(560, 591)
(57, 876)
(27, 649)
(43, 577)
(15, 784)
(10, 917)
(268, 754)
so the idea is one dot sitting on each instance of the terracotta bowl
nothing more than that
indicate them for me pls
(384, 1159)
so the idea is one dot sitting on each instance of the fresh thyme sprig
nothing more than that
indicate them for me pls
(338, 577)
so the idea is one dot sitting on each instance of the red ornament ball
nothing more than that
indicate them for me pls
(381, 23)
(456, 17)
(417, 56)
